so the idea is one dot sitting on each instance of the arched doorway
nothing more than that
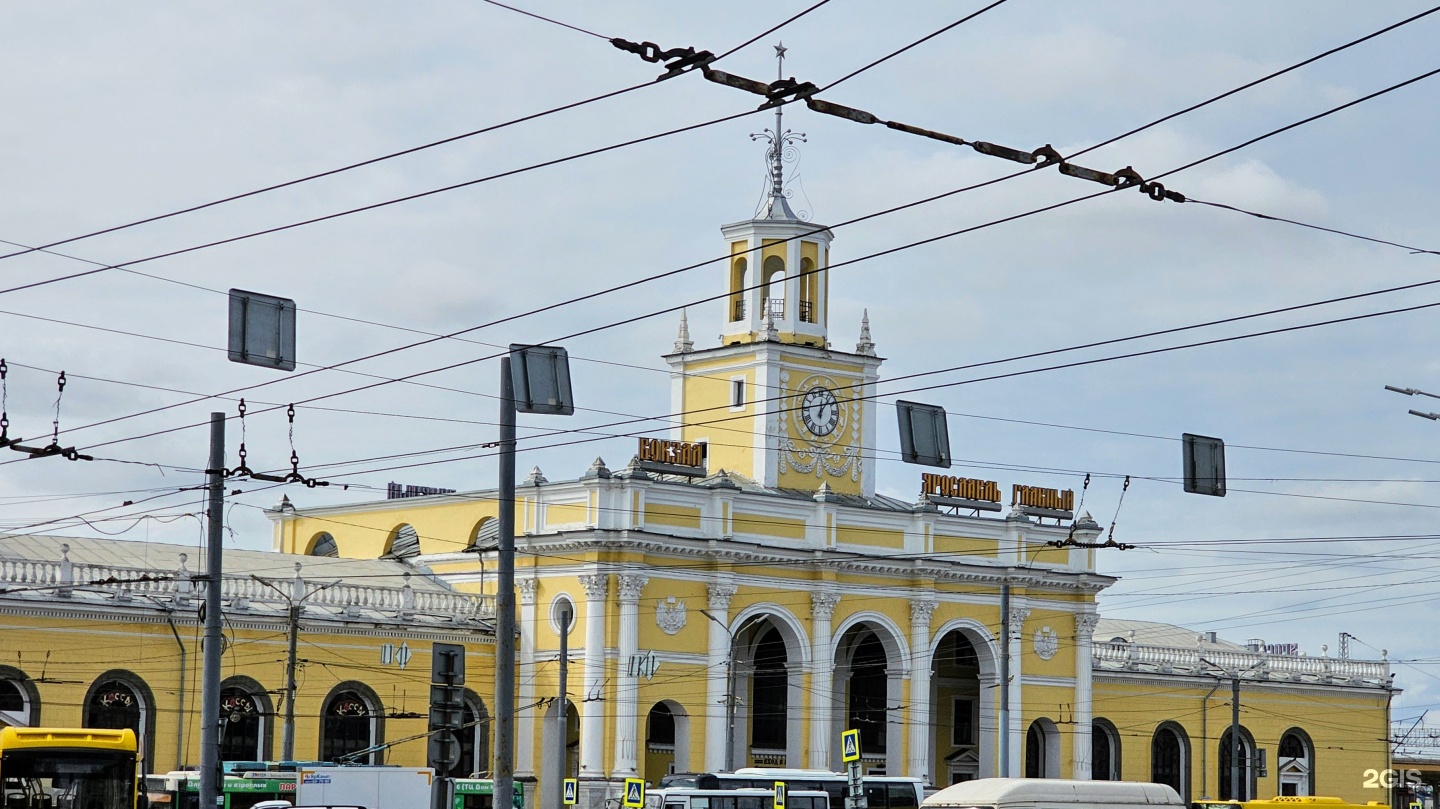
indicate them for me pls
(768, 667)
(474, 738)
(550, 753)
(963, 705)
(667, 741)
(1042, 750)
(1170, 759)
(1104, 751)
(869, 675)
(1246, 790)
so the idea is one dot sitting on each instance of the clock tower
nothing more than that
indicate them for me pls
(774, 402)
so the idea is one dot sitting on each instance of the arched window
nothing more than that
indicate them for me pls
(774, 281)
(487, 535)
(737, 285)
(1042, 750)
(14, 710)
(1246, 787)
(118, 700)
(1170, 757)
(771, 698)
(1295, 763)
(323, 545)
(350, 722)
(1104, 751)
(404, 543)
(809, 282)
(241, 726)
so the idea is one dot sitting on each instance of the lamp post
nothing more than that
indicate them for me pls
(729, 694)
(1236, 793)
(1417, 392)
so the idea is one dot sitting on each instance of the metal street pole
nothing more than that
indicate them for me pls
(210, 676)
(563, 715)
(729, 694)
(1236, 793)
(287, 746)
(1005, 680)
(504, 766)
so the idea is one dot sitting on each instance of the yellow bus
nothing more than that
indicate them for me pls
(67, 768)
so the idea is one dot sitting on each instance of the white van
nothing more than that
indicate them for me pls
(1052, 793)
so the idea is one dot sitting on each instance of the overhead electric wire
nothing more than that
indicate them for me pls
(951, 234)
(368, 162)
(547, 19)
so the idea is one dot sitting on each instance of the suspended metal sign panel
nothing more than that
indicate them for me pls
(1204, 465)
(540, 376)
(924, 435)
(262, 330)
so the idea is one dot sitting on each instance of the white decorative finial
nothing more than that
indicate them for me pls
(865, 346)
(779, 138)
(767, 327)
(683, 343)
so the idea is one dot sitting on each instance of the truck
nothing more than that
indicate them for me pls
(370, 787)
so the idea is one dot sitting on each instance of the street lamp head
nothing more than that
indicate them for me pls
(1431, 416)
(1406, 391)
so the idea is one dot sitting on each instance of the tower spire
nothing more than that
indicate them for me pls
(779, 139)
(866, 345)
(683, 343)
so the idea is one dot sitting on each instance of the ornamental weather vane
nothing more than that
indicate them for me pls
(782, 142)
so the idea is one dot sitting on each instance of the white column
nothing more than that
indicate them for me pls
(1084, 632)
(592, 701)
(627, 692)
(718, 662)
(525, 718)
(822, 674)
(1016, 642)
(919, 717)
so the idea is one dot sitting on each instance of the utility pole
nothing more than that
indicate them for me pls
(287, 745)
(504, 768)
(1236, 792)
(729, 694)
(210, 677)
(1005, 680)
(563, 734)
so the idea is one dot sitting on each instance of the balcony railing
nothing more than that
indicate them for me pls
(737, 312)
(776, 308)
(1265, 666)
(807, 312)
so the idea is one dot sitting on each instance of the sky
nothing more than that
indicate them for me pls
(111, 114)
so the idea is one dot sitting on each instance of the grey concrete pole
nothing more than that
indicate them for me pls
(210, 674)
(1236, 793)
(504, 767)
(563, 714)
(1005, 681)
(287, 745)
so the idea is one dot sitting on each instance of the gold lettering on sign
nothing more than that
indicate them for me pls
(677, 453)
(963, 488)
(1037, 497)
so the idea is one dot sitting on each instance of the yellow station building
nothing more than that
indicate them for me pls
(750, 545)
(741, 595)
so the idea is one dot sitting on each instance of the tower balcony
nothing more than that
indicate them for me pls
(807, 312)
(738, 311)
(775, 307)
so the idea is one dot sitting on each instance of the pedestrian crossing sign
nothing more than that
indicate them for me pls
(779, 795)
(634, 793)
(850, 746)
(571, 794)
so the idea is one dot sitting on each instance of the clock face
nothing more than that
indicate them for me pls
(819, 411)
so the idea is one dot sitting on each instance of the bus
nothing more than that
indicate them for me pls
(690, 798)
(881, 791)
(181, 789)
(67, 768)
